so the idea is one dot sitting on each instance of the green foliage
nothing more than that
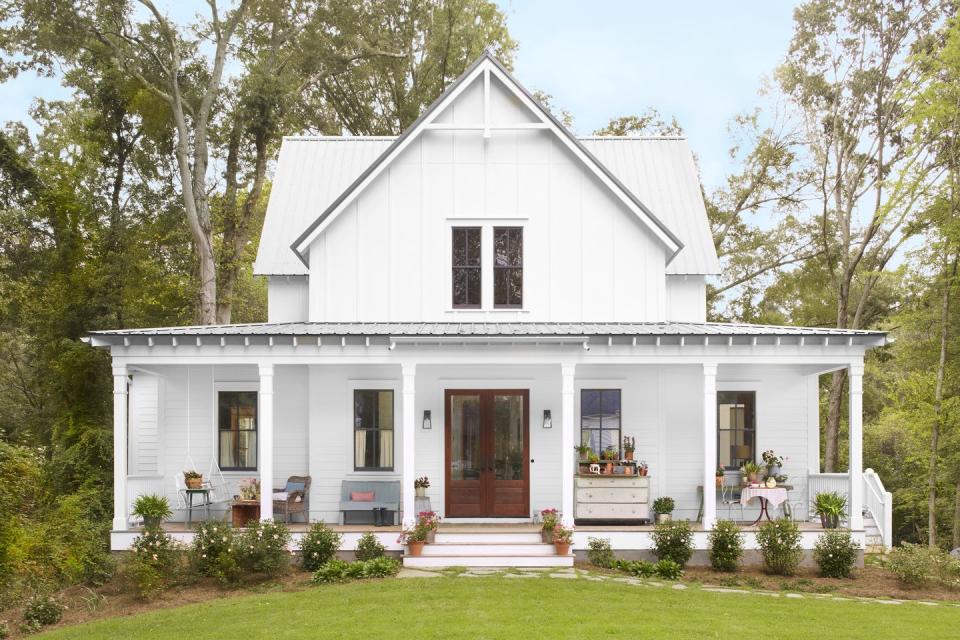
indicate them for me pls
(668, 569)
(726, 546)
(318, 546)
(42, 611)
(151, 506)
(155, 564)
(340, 571)
(673, 540)
(663, 504)
(212, 552)
(369, 548)
(599, 552)
(916, 565)
(779, 543)
(830, 503)
(262, 548)
(835, 552)
(4, 630)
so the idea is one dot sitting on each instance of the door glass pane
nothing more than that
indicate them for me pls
(465, 462)
(508, 437)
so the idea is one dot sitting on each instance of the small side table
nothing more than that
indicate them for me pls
(420, 505)
(243, 511)
(205, 493)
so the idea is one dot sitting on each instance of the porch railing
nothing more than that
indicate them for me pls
(877, 501)
(138, 485)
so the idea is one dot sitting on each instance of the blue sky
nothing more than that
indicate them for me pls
(702, 62)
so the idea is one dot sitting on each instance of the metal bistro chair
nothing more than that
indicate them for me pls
(730, 493)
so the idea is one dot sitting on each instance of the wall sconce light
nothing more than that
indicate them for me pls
(547, 419)
(426, 419)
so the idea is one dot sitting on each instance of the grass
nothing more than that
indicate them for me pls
(498, 607)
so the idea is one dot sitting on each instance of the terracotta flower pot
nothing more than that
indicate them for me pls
(643, 472)
(562, 548)
(194, 483)
(628, 455)
(719, 481)
(415, 548)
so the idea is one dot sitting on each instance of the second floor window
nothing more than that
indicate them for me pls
(466, 267)
(508, 267)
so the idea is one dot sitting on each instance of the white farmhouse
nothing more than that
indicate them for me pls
(468, 302)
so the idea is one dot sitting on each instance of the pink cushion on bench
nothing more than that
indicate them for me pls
(362, 496)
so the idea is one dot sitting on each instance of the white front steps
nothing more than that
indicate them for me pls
(488, 549)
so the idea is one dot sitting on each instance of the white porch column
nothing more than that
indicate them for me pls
(119, 447)
(709, 445)
(855, 465)
(567, 428)
(265, 431)
(408, 435)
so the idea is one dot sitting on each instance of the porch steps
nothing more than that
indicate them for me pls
(488, 549)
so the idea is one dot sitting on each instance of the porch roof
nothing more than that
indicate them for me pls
(592, 332)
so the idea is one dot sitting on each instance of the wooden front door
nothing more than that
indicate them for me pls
(487, 453)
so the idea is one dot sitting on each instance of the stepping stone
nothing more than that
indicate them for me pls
(679, 587)
(566, 576)
(567, 570)
(929, 604)
(655, 584)
(888, 601)
(794, 595)
(417, 573)
(521, 575)
(725, 590)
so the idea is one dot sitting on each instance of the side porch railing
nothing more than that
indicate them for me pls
(877, 501)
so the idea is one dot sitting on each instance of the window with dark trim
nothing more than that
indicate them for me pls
(736, 428)
(373, 430)
(508, 267)
(237, 430)
(600, 419)
(466, 267)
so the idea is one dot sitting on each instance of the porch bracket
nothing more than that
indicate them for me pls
(266, 442)
(120, 382)
(709, 444)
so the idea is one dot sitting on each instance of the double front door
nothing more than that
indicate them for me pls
(488, 453)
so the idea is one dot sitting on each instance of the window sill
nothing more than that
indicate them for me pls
(494, 310)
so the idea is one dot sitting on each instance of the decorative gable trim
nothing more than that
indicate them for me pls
(486, 65)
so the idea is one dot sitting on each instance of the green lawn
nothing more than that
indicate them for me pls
(498, 607)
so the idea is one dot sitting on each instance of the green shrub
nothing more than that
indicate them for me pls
(726, 546)
(4, 630)
(835, 553)
(599, 552)
(332, 571)
(42, 611)
(639, 568)
(212, 552)
(339, 570)
(151, 506)
(673, 540)
(369, 548)
(915, 565)
(318, 546)
(668, 569)
(663, 504)
(779, 543)
(155, 563)
(262, 548)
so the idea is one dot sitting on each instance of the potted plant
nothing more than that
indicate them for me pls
(629, 446)
(414, 538)
(663, 507)
(593, 458)
(193, 479)
(772, 462)
(153, 509)
(250, 489)
(583, 451)
(720, 473)
(830, 506)
(420, 486)
(642, 468)
(752, 471)
(610, 455)
(431, 521)
(562, 539)
(550, 519)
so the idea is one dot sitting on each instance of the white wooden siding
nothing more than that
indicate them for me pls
(287, 299)
(686, 298)
(144, 444)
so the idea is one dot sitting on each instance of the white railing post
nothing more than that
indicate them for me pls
(709, 445)
(567, 428)
(120, 448)
(265, 430)
(408, 438)
(855, 466)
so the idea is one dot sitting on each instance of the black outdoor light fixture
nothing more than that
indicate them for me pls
(547, 419)
(426, 419)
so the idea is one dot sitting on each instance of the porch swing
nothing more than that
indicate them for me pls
(215, 484)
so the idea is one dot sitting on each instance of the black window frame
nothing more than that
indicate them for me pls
(456, 269)
(509, 269)
(255, 430)
(392, 429)
(601, 429)
(749, 425)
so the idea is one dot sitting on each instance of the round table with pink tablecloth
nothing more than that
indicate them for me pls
(775, 496)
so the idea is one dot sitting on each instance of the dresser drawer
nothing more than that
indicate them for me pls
(621, 481)
(612, 494)
(607, 511)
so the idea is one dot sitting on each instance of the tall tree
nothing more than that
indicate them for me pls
(849, 73)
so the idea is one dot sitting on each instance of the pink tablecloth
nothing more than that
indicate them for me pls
(776, 496)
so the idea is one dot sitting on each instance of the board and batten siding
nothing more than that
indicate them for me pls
(387, 256)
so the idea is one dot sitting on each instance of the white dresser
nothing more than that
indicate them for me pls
(612, 497)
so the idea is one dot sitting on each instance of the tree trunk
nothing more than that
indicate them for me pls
(956, 515)
(938, 409)
(831, 453)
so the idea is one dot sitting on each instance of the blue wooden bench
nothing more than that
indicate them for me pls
(386, 495)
